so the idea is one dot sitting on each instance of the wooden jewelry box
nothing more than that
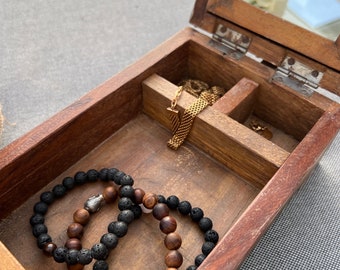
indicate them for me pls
(273, 72)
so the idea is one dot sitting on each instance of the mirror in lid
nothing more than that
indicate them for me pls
(319, 16)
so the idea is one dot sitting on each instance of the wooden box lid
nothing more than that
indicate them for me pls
(272, 39)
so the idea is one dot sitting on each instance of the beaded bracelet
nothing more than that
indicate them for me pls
(39, 229)
(205, 224)
(129, 204)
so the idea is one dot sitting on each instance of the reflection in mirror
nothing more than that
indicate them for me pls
(319, 16)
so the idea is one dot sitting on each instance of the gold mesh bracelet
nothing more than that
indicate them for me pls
(188, 117)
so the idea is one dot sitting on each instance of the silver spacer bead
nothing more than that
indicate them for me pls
(94, 203)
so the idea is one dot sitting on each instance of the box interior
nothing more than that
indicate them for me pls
(192, 173)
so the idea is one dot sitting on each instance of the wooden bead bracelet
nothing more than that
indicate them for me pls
(131, 204)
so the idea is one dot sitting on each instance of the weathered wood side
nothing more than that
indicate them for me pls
(231, 143)
(241, 238)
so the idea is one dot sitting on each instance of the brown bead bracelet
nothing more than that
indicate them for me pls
(130, 204)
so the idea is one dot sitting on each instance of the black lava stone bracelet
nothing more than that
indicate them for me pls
(130, 209)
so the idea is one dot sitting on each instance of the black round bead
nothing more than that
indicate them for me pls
(184, 207)
(37, 219)
(92, 175)
(205, 224)
(118, 176)
(118, 228)
(110, 240)
(125, 203)
(103, 174)
(127, 180)
(59, 254)
(71, 257)
(59, 191)
(111, 173)
(172, 201)
(196, 214)
(99, 251)
(126, 215)
(199, 259)
(68, 183)
(47, 197)
(80, 178)
(192, 267)
(161, 199)
(40, 208)
(211, 236)
(207, 247)
(43, 239)
(100, 265)
(84, 256)
(39, 229)
(127, 191)
(137, 211)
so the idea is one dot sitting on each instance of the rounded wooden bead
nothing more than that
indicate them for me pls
(75, 230)
(77, 266)
(73, 243)
(81, 216)
(173, 241)
(49, 248)
(139, 194)
(110, 194)
(150, 200)
(160, 211)
(174, 259)
(168, 224)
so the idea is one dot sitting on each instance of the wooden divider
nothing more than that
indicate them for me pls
(234, 145)
(239, 101)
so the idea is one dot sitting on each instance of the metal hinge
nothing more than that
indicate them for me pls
(298, 76)
(230, 42)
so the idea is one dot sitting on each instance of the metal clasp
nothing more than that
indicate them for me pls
(94, 203)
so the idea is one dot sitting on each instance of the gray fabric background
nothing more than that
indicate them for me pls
(53, 52)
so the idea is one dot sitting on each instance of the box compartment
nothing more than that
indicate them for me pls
(241, 185)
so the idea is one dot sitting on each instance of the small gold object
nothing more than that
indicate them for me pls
(262, 130)
(205, 96)
(173, 113)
